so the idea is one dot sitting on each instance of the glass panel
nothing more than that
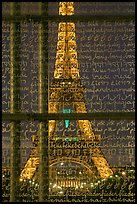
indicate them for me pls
(5, 67)
(6, 144)
(71, 166)
(105, 53)
(5, 8)
(29, 67)
(106, 62)
(28, 131)
(5, 161)
(88, 161)
(104, 8)
(30, 8)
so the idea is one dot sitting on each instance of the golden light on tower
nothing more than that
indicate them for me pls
(66, 90)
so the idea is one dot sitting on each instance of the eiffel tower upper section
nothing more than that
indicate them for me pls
(66, 65)
(66, 88)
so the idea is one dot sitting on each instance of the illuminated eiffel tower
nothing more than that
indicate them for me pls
(67, 93)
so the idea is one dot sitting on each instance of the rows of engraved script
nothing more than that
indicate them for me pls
(108, 71)
(83, 155)
(111, 143)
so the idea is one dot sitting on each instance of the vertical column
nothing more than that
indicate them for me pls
(43, 104)
(15, 41)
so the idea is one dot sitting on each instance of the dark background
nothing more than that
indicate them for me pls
(106, 54)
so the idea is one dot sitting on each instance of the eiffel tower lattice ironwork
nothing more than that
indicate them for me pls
(66, 91)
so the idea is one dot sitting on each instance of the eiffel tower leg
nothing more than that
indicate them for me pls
(96, 154)
(84, 125)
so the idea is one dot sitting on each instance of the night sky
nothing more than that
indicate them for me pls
(106, 54)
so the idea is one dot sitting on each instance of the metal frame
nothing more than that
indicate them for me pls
(15, 41)
(43, 105)
(57, 18)
(75, 116)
